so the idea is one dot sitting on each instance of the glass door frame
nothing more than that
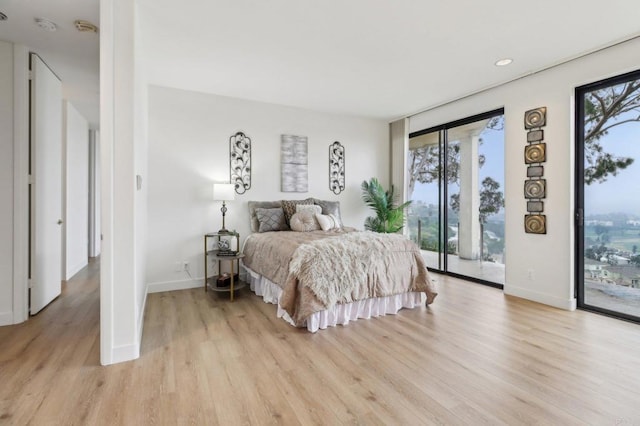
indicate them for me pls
(580, 93)
(443, 192)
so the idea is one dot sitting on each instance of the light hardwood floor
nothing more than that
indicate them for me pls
(474, 357)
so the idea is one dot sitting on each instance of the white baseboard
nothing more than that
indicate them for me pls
(75, 269)
(125, 353)
(546, 299)
(6, 318)
(174, 285)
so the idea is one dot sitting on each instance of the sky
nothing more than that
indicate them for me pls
(621, 193)
(492, 148)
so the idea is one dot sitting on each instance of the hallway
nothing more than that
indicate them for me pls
(50, 364)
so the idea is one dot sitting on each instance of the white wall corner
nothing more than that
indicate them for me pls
(545, 299)
(399, 148)
(74, 269)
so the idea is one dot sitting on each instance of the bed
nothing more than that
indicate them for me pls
(320, 278)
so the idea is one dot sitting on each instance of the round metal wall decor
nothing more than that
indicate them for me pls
(534, 188)
(536, 153)
(535, 118)
(535, 224)
(240, 162)
(336, 167)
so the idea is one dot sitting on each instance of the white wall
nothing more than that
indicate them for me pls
(189, 149)
(551, 256)
(6, 183)
(76, 188)
(140, 164)
(122, 291)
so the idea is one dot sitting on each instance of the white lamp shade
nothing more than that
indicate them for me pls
(223, 191)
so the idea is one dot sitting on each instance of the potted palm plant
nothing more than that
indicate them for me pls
(389, 215)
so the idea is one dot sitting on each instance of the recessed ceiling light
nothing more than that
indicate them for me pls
(3, 17)
(85, 26)
(503, 62)
(46, 24)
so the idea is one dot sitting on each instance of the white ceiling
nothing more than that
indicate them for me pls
(72, 55)
(373, 58)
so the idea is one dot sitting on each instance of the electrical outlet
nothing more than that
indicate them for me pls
(530, 274)
(185, 265)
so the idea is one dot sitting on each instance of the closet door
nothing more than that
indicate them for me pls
(46, 186)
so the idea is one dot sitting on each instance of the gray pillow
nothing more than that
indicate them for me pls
(253, 205)
(329, 207)
(271, 220)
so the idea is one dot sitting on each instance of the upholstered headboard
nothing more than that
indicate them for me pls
(328, 207)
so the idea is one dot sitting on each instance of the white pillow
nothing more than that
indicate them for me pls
(304, 221)
(328, 221)
(314, 209)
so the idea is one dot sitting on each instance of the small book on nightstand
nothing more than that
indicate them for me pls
(226, 253)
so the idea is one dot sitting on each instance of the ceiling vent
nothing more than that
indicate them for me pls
(85, 26)
(46, 24)
(3, 17)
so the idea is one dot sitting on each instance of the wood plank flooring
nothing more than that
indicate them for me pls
(474, 357)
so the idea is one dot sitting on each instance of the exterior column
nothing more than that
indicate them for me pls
(469, 216)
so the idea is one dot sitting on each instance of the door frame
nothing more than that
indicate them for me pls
(579, 192)
(443, 192)
(20, 183)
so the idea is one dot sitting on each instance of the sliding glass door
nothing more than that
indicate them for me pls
(455, 179)
(608, 204)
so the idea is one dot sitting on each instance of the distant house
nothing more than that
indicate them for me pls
(607, 223)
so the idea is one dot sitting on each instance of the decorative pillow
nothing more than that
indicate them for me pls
(329, 207)
(328, 222)
(304, 221)
(253, 205)
(271, 220)
(311, 208)
(289, 207)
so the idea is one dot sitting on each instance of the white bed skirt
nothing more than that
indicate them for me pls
(338, 314)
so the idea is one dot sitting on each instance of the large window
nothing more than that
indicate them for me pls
(608, 204)
(456, 180)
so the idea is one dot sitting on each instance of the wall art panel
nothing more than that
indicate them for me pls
(535, 153)
(294, 164)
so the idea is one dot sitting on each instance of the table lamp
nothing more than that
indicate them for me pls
(223, 192)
